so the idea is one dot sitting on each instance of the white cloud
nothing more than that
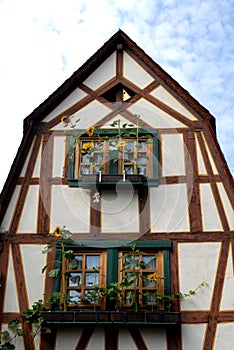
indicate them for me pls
(44, 42)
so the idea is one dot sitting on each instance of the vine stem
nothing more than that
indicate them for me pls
(64, 280)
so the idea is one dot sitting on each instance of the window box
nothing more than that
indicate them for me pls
(110, 181)
(78, 318)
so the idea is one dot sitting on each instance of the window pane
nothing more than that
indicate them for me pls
(75, 279)
(150, 260)
(84, 170)
(129, 169)
(91, 279)
(142, 146)
(92, 262)
(128, 157)
(142, 170)
(74, 297)
(146, 282)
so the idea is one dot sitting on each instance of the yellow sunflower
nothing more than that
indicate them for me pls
(88, 145)
(90, 130)
(65, 119)
(152, 277)
(57, 231)
(121, 143)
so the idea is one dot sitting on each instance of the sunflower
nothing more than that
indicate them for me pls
(152, 277)
(88, 145)
(65, 119)
(90, 130)
(121, 143)
(57, 231)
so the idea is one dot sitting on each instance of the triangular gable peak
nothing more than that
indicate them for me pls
(120, 65)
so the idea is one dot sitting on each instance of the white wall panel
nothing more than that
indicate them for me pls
(103, 73)
(22, 174)
(91, 114)
(97, 340)
(28, 220)
(5, 225)
(227, 302)
(197, 263)
(11, 298)
(59, 156)
(193, 336)
(154, 116)
(224, 337)
(37, 166)
(163, 95)
(200, 160)
(210, 216)
(169, 208)
(135, 73)
(34, 281)
(125, 340)
(120, 212)
(154, 338)
(212, 162)
(67, 338)
(70, 208)
(173, 159)
(73, 98)
(226, 205)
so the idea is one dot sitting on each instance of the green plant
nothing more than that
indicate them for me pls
(34, 316)
(60, 268)
(8, 337)
(117, 139)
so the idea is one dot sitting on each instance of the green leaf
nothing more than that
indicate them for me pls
(54, 272)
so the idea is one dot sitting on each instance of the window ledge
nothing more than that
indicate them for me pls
(110, 181)
(160, 318)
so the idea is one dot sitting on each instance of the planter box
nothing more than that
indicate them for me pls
(110, 181)
(111, 317)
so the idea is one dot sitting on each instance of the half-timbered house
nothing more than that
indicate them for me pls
(120, 154)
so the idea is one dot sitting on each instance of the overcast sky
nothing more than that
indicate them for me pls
(44, 41)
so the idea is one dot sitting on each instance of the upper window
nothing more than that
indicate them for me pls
(105, 151)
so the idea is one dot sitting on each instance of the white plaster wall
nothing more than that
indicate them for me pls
(11, 298)
(154, 116)
(226, 205)
(70, 208)
(163, 95)
(169, 208)
(32, 270)
(120, 211)
(197, 263)
(125, 340)
(28, 220)
(173, 158)
(135, 73)
(154, 338)
(59, 156)
(211, 159)
(22, 174)
(210, 216)
(200, 160)
(224, 339)
(103, 73)
(73, 98)
(227, 302)
(193, 336)
(5, 225)
(69, 336)
(97, 340)
(37, 166)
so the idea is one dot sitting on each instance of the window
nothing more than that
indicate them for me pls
(142, 273)
(85, 275)
(146, 272)
(104, 152)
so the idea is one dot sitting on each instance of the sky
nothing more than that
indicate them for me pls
(44, 41)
